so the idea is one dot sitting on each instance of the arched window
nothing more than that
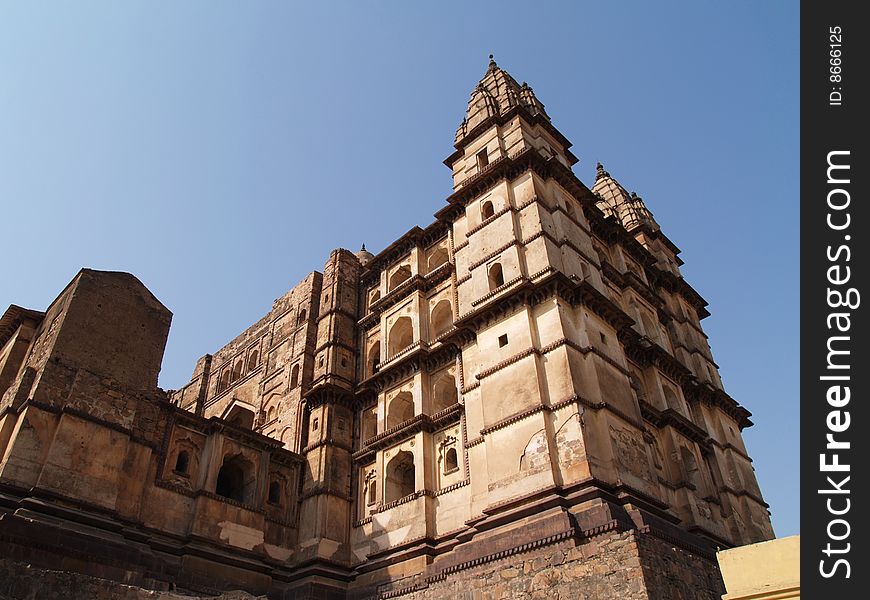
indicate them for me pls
(237, 370)
(637, 384)
(442, 318)
(690, 464)
(300, 318)
(376, 295)
(374, 357)
(486, 210)
(294, 376)
(649, 328)
(224, 381)
(400, 477)
(373, 491)
(437, 258)
(236, 480)
(482, 159)
(401, 275)
(275, 492)
(369, 426)
(444, 394)
(672, 400)
(253, 360)
(270, 414)
(496, 276)
(401, 335)
(451, 463)
(401, 409)
(182, 462)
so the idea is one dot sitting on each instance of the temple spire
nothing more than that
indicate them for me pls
(615, 201)
(495, 94)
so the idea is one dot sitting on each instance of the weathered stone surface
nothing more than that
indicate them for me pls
(517, 401)
(23, 582)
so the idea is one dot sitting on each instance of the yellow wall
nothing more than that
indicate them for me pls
(766, 570)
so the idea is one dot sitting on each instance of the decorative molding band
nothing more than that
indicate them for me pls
(363, 521)
(524, 414)
(487, 221)
(421, 422)
(505, 363)
(546, 541)
(496, 292)
(514, 418)
(322, 490)
(335, 343)
(493, 254)
(404, 500)
(402, 352)
(335, 310)
(732, 447)
(532, 351)
(327, 442)
(471, 386)
(746, 493)
(453, 486)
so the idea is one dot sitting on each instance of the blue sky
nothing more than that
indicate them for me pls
(220, 150)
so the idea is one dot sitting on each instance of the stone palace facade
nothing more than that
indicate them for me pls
(517, 401)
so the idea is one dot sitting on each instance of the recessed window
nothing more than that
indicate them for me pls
(451, 462)
(486, 210)
(603, 338)
(274, 493)
(236, 479)
(496, 277)
(482, 159)
(315, 424)
(182, 462)
(502, 341)
(372, 496)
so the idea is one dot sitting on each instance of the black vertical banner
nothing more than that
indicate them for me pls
(834, 370)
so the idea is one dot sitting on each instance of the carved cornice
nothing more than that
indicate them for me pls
(672, 418)
(408, 429)
(326, 442)
(321, 490)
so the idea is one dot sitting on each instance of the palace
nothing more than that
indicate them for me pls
(516, 401)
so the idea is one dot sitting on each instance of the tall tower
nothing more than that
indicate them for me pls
(534, 373)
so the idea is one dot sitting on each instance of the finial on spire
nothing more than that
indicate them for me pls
(492, 64)
(600, 172)
(363, 248)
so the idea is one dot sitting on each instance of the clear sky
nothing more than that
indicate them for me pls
(220, 150)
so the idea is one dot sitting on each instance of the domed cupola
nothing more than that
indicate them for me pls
(615, 201)
(364, 256)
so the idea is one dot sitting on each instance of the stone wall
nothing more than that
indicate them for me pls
(624, 565)
(24, 582)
